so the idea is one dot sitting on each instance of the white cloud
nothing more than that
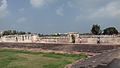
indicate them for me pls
(41, 3)
(59, 11)
(3, 8)
(110, 10)
(37, 3)
(21, 19)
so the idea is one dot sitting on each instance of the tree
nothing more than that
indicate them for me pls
(29, 33)
(12, 32)
(96, 30)
(110, 31)
(40, 35)
(73, 38)
(7, 32)
(21, 33)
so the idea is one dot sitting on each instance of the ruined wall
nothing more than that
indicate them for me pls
(20, 38)
(83, 39)
(115, 40)
(52, 39)
(104, 39)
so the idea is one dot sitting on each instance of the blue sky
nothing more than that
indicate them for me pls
(51, 16)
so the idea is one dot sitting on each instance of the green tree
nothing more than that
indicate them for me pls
(73, 38)
(14, 32)
(21, 33)
(29, 33)
(7, 32)
(40, 35)
(96, 30)
(110, 31)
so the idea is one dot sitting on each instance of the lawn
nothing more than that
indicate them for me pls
(26, 59)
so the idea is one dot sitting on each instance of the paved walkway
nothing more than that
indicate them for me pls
(107, 59)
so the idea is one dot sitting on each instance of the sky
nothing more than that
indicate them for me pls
(58, 16)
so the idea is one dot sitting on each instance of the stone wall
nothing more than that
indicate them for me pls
(82, 39)
(27, 38)
(104, 39)
(112, 40)
(53, 39)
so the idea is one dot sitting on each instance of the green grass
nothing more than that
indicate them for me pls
(26, 59)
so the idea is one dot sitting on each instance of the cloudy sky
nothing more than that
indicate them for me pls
(50, 16)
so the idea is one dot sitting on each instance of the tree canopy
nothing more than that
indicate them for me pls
(110, 31)
(13, 32)
(96, 30)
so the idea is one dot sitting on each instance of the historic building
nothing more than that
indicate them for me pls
(71, 37)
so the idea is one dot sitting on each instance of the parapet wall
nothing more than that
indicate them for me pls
(61, 47)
